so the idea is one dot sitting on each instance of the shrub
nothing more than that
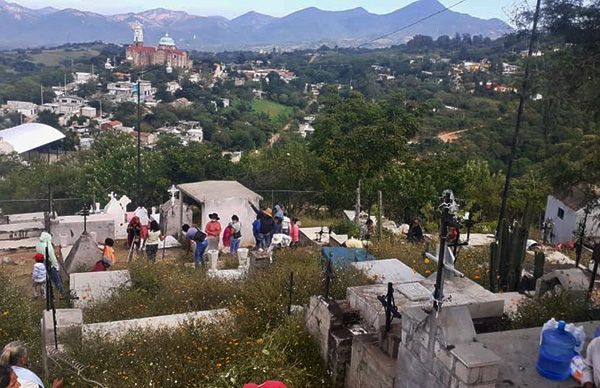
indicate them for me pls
(534, 312)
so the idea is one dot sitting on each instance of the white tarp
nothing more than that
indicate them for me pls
(27, 137)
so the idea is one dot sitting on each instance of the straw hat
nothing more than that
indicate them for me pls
(268, 212)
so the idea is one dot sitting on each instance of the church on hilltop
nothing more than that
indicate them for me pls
(165, 54)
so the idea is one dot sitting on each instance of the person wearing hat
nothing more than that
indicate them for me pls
(213, 231)
(267, 225)
(38, 276)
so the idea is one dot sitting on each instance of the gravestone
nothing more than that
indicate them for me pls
(390, 270)
(83, 255)
(118, 209)
(92, 287)
(170, 220)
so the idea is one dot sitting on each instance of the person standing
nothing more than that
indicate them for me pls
(295, 232)
(43, 246)
(367, 230)
(154, 238)
(213, 231)
(134, 232)
(267, 225)
(256, 231)
(196, 236)
(38, 276)
(236, 234)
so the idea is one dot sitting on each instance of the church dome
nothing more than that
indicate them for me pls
(166, 41)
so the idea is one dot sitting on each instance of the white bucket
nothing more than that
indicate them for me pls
(242, 254)
(213, 256)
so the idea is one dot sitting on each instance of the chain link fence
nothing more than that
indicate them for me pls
(62, 206)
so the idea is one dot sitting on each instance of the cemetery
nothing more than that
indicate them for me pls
(387, 313)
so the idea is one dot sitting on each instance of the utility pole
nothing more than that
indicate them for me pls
(139, 142)
(525, 89)
(379, 214)
(42, 94)
(357, 206)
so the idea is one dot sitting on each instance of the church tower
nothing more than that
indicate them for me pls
(138, 34)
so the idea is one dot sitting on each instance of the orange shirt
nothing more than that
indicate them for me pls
(213, 229)
(109, 253)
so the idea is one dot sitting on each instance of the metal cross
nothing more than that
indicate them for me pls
(173, 190)
(389, 305)
(329, 275)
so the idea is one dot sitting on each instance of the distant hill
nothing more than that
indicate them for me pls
(22, 27)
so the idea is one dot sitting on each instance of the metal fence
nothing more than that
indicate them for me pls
(294, 201)
(62, 206)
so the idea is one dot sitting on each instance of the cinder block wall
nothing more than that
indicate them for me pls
(441, 352)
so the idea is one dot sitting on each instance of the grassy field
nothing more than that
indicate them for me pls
(55, 57)
(272, 109)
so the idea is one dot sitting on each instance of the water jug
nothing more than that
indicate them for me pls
(556, 352)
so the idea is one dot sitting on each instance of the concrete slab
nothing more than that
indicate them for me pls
(480, 302)
(67, 229)
(94, 287)
(337, 240)
(573, 280)
(310, 235)
(66, 321)
(511, 301)
(518, 350)
(228, 274)
(389, 270)
(116, 329)
(11, 245)
(21, 230)
(479, 239)
(26, 217)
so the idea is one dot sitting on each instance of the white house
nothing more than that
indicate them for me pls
(173, 86)
(225, 198)
(567, 211)
(27, 109)
(82, 78)
(195, 135)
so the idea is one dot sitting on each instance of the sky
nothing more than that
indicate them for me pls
(232, 8)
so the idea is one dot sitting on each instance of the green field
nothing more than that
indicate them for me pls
(272, 109)
(55, 57)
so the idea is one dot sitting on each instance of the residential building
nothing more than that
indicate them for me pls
(27, 109)
(566, 212)
(195, 135)
(508, 69)
(173, 86)
(111, 125)
(306, 129)
(82, 78)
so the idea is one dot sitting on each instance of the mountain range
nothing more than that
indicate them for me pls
(22, 27)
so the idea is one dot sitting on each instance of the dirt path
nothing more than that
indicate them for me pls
(450, 137)
(275, 138)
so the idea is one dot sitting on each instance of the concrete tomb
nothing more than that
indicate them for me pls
(69, 228)
(573, 280)
(83, 255)
(93, 287)
(390, 270)
(118, 209)
(463, 291)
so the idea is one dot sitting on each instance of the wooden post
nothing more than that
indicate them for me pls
(379, 214)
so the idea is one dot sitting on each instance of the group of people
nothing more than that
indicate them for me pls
(14, 371)
(268, 224)
(209, 238)
(142, 236)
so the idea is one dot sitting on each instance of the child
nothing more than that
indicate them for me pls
(108, 252)
(236, 234)
(295, 232)
(38, 276)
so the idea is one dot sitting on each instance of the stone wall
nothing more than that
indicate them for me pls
(332, 324)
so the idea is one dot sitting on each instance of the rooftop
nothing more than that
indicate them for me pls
(216, 190)
(27, 137)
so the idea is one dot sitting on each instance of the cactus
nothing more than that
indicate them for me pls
(508, 253)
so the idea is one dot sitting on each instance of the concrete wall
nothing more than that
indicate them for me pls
(93, 287)
(228, 207)
(115, 329)
(71, 227)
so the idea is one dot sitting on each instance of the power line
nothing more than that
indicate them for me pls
(415, 22)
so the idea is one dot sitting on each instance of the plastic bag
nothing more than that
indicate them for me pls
(577, 365)
(577, 331)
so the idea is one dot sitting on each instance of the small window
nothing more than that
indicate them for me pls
(561, 213)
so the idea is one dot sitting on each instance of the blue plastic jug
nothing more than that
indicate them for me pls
(556, 352)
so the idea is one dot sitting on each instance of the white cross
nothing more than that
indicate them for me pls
(111, 196)
(173, 190)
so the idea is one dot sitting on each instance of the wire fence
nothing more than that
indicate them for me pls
(294, 201)
(61, 206)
